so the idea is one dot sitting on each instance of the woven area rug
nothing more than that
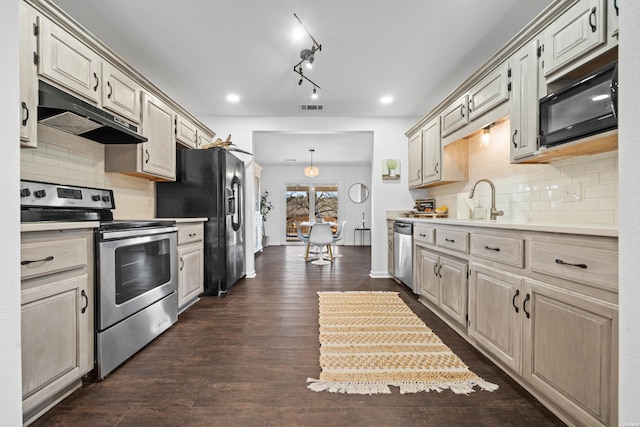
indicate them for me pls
(372, 340)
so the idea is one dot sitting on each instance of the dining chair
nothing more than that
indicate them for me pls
(336, 237)
(321, 236)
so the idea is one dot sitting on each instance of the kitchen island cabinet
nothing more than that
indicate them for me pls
(57, 316)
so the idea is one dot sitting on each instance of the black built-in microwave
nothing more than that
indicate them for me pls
(587, 107)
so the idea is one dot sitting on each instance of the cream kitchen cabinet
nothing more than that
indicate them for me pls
(491, 91)
(524, 102)
(57, 316)
(432, 164)
(390, 264)
(189, 134)
(120, 93)
(190, 263)
(574, 34)
(613, 12)
(456, 115)
(156, 158)
(29, 19)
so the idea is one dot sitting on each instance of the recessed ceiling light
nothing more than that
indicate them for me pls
(386, 100)
(232, 97)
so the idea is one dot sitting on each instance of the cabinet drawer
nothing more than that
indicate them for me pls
(593, 266)
(424, 235)
(506, 250)
(46, 257)
(455, 240)
(190, 233)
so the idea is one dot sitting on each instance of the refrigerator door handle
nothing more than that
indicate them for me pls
(236, 220)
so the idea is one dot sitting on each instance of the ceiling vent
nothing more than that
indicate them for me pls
(311, 107)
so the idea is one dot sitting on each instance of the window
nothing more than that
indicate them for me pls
(305, 202)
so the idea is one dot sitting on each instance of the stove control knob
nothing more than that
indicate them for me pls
(95, 197)
(25, 192)
(40, 193)
(106, 198)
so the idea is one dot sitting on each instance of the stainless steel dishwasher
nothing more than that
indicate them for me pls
(403, 252)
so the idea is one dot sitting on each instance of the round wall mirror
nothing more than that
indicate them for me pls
(358, 193)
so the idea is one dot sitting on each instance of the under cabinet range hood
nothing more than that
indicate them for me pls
(67, 113)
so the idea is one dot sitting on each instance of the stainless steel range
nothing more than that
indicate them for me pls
(135, 263)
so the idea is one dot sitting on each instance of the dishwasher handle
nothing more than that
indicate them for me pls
(403, 227)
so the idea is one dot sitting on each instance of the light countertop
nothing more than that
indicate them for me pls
(26, 227)
(584, 229)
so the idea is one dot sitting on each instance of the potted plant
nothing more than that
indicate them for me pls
(265, 207)
(391, 164)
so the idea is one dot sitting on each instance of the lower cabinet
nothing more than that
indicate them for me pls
(442, 281)
(560, 342)
(190, 264)
(390, 264)
(57, 312)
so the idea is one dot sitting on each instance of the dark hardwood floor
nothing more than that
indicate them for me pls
(243, 360)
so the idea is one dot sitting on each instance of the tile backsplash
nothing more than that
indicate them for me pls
(68, 159)
(580, 190)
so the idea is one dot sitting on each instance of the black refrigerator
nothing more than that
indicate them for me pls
(209, 184)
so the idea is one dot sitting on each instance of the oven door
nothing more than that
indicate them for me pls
(133, 273)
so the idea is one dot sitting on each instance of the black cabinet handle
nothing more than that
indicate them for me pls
(436, 167)
(593, 24)
(95, 76)
(192, 234)
(491, 249)
(615, 4)
(148, 156)
(513, 138)
(110, 90)
(450, 240)
(86, 301)
(26, 116)
(422, 235)
(561, 262)
(435, 271)
(418, 174)
(181, 263)
(439, 271)
(513, 301)
(462, 110)
(524, 306)
(49, 258)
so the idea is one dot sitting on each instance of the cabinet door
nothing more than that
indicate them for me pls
(613, 12)
(415, 160)
(28, 77)
(159, 152)
(453, 288)
(489, 92)
(120, 93)
(455, 116)
(190, 274)
(431, 152)
(495, 313)
(186, 132)
(57, 345)
(68, 62)
(429, 284)
(390, 266)
(203, 138)
(524, 102)
(579, 30)
(569, 352)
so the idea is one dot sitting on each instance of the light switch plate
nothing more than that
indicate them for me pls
(571, 192)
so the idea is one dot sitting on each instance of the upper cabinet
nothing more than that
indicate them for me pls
(456, 115)
(120, 93)
(613, 12)
(189, 135)
(575, 33)
(524, 102)
(67, 61)
(28, 76)
(154, 159)
(489, 92)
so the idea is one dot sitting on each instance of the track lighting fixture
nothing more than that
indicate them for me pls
(307, 56)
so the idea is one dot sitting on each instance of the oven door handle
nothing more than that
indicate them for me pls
(126, 234)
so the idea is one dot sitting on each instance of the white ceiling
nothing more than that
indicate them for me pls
(198, 51)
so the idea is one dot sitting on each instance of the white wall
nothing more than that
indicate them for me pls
(389, 141)
(629, 148)
(274, 179)
(10, 360)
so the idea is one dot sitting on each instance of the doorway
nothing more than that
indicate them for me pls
(308, 202)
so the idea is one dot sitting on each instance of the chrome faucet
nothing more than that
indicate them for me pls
(494, 212)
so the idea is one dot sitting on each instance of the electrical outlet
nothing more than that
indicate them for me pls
(571, 192)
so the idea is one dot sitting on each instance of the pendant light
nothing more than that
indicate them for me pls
(311, 171)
